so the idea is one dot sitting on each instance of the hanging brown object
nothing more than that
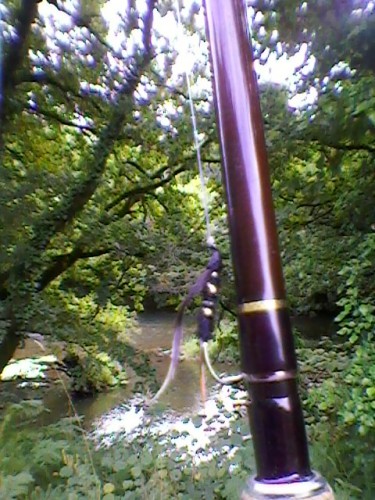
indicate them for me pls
(206, 322)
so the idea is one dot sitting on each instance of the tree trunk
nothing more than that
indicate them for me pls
(9, 343)
(12, 62)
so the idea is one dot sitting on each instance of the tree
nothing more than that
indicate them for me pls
(97, 156)
(84, 149)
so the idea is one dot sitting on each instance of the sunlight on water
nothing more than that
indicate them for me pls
(193, 432)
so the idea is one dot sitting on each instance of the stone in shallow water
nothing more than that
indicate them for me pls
(29, 368)
(32, 385)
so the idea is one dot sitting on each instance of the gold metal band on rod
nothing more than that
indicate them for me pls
(262, 305)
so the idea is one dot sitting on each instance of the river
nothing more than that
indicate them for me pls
(182, 399)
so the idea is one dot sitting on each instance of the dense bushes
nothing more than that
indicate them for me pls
(340, 412)
(60, 460)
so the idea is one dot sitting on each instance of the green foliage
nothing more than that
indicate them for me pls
(93, 340)
(147, 467)
(96, 337)
(101, 213)
(19, 415)
(102, 204)
(320, 366)
(91, 370)
(85, 194)
(359, 408)
(339, 401)
(16, 486)
(225, 346)
(357, 317)
(190, 347)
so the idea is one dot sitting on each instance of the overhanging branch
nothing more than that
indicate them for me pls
(61, 119)
(44, 78)
(54, 221)
(349, 147)
(62, 263)
(24, 19)
(137, 192)
(338, 145)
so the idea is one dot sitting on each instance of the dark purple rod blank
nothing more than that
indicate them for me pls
(267, 351)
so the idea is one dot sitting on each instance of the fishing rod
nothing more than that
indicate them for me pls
(266, 341)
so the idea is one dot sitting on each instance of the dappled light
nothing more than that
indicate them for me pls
(128, 145)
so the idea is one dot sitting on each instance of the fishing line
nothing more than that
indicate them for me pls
(231, 380)
(204, 191)
(207, 282)
(204, 196)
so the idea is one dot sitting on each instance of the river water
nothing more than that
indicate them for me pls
(106, 412)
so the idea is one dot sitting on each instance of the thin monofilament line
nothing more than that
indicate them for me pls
(204, 192)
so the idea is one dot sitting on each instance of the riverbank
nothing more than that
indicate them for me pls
(112, 444)
(153, 338)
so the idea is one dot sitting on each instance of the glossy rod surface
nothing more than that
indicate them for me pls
(267, 351)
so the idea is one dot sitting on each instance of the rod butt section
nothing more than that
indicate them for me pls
(314, 488)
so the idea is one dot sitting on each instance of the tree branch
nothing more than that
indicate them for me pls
(136, 193)
(211, 160)
(54, 221)
(10, 340)
(137, 166)
(340, 146)
(12, 62)
(62, 263)
(83, 22)
(47, 79)
(60, 119)
(350, 147)
(25, 17)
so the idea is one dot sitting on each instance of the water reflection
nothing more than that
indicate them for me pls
(156, 330)
(193, 432)
(155, 334)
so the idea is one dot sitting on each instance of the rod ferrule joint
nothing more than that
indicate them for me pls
(313, 488)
